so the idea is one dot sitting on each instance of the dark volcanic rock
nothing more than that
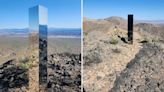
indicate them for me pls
(64, 75)
(64, 72)
(12, 77)
(145, 73)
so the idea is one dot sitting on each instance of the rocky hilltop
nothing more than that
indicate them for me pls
(64, 74)
(111, 64)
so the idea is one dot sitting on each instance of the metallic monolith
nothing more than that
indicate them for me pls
(37, 47)
(130, 28)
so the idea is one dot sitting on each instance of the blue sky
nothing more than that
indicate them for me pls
(142, 9)
(61, 13)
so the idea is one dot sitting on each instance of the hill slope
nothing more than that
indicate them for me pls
(107, 52)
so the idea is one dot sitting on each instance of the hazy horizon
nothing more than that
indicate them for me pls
(48, 28)
(52, 32)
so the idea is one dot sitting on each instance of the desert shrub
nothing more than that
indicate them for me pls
(85, 33)
(116, 50)
(156, 39)
(98, 48)
(27, 65)
(23, 62)
(23, 59)
(92, 57)
(113, 41)
(24, 65)
(26, 62)
(106, 41)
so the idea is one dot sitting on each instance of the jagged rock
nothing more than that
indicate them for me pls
(63, 75)
(64, 70)
(145, 73)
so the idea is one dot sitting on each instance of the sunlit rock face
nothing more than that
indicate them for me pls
(38, 44)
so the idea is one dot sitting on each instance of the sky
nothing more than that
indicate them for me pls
(61, 13)
(141, 9)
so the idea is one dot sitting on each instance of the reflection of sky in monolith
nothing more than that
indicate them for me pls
(43, 22)
(33, 19)
(42, 15)
(37, 16)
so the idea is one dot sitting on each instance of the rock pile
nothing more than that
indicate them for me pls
(64, 71)
(64, 75)
(145, 73)
(12, 77)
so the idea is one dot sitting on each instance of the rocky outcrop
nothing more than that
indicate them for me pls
(145, 73)
(105, 55)
(12, 77)
(64, 71)
(64, 75)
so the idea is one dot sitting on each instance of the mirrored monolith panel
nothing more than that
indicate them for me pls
(130, 28)
(42, 44)
(38, 46)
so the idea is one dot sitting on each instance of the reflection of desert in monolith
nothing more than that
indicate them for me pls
(43, 57)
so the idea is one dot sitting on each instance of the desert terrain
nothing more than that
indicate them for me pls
(111, 64)
(64, 65)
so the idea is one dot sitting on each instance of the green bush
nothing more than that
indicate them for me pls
(113, 41)
(23, 59)
(92, 57)
(25, 62)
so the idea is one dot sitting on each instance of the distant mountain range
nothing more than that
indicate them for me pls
(153, 27)
(118, 19)
(52, 32)
(150, 21)
(110, 22)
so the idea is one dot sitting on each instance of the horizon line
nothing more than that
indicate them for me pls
(123, 18)
(48, 28)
